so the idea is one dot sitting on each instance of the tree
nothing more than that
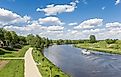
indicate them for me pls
(29, 39)
(15, 38)
(8, 37)
(38, 41)
(22, 40)
(1, 34)
(92, 39)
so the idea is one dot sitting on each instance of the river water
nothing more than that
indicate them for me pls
(73, 62)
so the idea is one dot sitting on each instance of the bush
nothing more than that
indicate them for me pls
(17, 46)
(8, 48)
(103, 44)
(2, 52)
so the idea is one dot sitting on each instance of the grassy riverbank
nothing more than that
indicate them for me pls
(46, 67)
(107, 48)
(13, 68)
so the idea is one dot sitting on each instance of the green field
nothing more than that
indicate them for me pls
(15, 68)
(107, 48)
(45, 66)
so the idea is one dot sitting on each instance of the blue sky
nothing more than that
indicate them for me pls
(63, 19)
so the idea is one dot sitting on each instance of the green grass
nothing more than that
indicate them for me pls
(7, 53)
(19, 53)
(45, 65)
(100, 49)
(15, 68)
(22, 51)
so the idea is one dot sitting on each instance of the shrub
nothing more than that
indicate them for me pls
(8, 48)
(17, 46)
(2, 52)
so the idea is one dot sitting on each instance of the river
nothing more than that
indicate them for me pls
(74, 63)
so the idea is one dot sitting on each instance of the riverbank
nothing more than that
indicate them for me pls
(13, 67)
(46, 67)
(100, 49)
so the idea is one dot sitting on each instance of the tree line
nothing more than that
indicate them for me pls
(92, 39)
(11, 40)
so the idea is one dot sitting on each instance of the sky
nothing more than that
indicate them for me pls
(62, 19)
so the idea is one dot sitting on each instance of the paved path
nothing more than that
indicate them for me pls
(31, 69)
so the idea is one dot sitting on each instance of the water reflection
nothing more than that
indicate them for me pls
(73, 62)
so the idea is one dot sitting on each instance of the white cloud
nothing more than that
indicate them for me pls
(53, 20)
(92, 31)
(31, 27)
(36, 28)
(91, 23)
(55, 28)
(38, 9)
(56, 9)
(8, 17)
(74, 31)
(71, 24)
(117, 2)
(113, 25)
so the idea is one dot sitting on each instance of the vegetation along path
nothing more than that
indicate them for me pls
(31, 69)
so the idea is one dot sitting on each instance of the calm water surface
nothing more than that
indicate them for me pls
(74, 63)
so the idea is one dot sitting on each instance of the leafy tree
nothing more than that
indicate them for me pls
(38, 41)
(15, 37)
(92, 39)
(8, 38)
(29, 39)
(22, 40)
(1, 34)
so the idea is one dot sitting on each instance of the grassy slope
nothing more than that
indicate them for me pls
(45, 64)
(22, 51)
(19, 53)
(106, 50)
(7, 53)
(15, 68)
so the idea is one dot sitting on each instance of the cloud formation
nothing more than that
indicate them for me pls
(113, 25)
(54, 20)
(8, 17)
(57, 9)
(58, 30)
(117, 2)
(55, 28)
(91, 23)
